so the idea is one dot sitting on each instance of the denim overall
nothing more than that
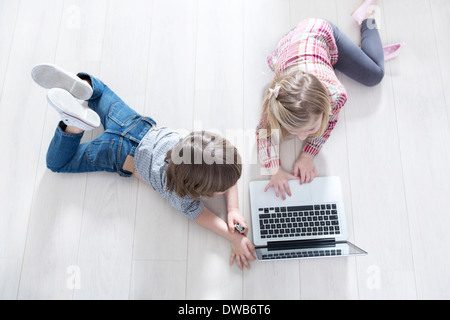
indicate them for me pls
(124, 130)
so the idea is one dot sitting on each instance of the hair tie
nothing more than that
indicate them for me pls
(275, 92)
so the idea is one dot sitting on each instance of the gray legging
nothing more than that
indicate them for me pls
(365, 64)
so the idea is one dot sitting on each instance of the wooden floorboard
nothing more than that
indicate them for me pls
(201, 65)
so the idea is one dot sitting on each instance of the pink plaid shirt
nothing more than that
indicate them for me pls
(309, 47)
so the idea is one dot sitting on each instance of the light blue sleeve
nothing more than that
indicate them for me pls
(187, 206)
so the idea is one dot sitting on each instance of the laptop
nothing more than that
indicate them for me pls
(310, 224)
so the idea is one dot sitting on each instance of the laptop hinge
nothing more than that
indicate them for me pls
(298, 244)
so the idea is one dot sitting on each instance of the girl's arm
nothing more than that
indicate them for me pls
(268, 151)
(314, 145)
(269, 155)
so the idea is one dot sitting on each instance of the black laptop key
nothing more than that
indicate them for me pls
(295, 221)
(300, 208)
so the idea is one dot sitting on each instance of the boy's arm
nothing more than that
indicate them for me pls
(234, 215)
(232, 198)
(212, 222)
(242, 247)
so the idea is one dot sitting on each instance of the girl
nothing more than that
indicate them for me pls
(305, 96)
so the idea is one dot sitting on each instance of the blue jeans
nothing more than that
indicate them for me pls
(124, 130)
(365, 64)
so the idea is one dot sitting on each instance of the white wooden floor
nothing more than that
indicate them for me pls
(201, 64)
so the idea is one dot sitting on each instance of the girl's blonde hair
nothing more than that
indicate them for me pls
(301, 98)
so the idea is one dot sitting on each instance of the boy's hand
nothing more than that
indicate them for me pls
(234, 217)
(304, 168)
(242, 251)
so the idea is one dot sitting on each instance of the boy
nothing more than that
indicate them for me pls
(181, 170)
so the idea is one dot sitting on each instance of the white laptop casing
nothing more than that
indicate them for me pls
(321, 191)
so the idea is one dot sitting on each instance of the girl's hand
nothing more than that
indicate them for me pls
(280, 183)
(234, 216)
(304, 168)
(242, 251)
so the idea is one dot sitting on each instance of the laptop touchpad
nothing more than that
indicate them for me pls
(300, 193)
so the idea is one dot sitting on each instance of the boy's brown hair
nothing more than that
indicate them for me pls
(202, 164)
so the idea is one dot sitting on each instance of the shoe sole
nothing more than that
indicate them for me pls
(50, 76)
(72, 113)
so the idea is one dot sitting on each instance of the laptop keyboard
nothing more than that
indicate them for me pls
(302, 254)
(299, 221)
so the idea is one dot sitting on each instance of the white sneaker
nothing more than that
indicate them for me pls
(72, 113)
(50, 76)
